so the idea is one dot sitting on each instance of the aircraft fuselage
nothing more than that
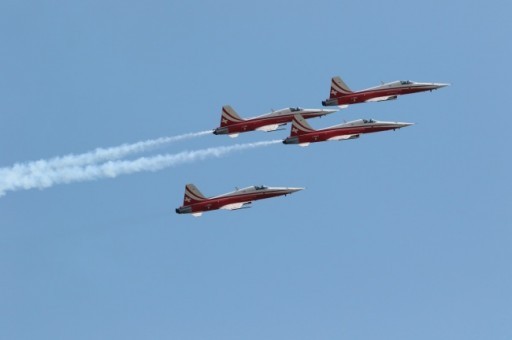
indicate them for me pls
(239, 197)
(272, 121)
(383, 92)
(349, 130)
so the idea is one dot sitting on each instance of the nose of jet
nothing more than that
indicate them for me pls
(292, 190)
(403, 124)
(329, 111)
(440, 85)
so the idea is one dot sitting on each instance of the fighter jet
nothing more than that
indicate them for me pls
(196, 203)
(231, 124)
(341, 95)
(303, 134)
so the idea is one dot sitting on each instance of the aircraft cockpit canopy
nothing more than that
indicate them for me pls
(261, 187)
(295, 109)
(368, 121)
(405, 82)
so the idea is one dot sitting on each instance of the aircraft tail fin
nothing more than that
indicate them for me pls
(339, 88)
(192, 195)
(229, 116)
(300, 126)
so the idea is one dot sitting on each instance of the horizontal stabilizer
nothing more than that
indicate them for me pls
(303, 144)
(233, 135)
(197, 214)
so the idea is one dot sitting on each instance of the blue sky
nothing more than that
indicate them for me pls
(399, 235)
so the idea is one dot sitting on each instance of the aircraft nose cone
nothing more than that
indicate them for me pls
(440, 85)
(401, 125)
(292, 190)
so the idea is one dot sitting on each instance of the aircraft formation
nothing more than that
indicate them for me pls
(301, 133)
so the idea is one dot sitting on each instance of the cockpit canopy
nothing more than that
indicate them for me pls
(260, 187)
(295, 109)
(368, 121)
(405, 82)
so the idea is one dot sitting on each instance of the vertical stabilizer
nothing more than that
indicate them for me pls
(192, 195)
(229, 116)
(300, 126)
(339, 88)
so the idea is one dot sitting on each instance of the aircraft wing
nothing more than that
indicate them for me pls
(269, 128)
(381, 99)
(197, 214)
(344, 137)
(236, 206)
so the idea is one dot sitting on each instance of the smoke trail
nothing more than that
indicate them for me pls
(103, 154)
(42, 176)
(96, 156)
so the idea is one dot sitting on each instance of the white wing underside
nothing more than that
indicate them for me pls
(380, 99)
(344, 137)
(235, 206)
(269, 128)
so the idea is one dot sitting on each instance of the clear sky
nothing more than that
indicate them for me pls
(399, 235)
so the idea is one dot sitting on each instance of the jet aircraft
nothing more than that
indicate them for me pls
(303, 134)
(231, 123)
(196, 203)
(341, 95)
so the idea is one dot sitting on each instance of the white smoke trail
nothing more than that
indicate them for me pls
(43, 176)
(103, 154)
(96, 156)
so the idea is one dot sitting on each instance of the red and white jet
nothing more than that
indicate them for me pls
(196, 203)
(303, 134)
(231, 124)
(341, 95)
